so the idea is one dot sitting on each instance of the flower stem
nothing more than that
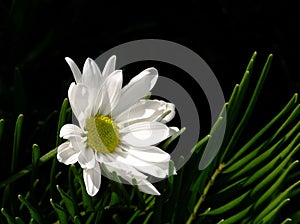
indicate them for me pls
(205, 191)
(28, 169)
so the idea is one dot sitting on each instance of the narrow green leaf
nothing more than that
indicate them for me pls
(275, 171)
(33, 212)
(35, 156)
(198, 186)
(139, 194)
(120, 187)
(177, 191)
(19, 220)
(1, 128)
(148, 218)
(61, 120)
(286, 221)
(237, 218)
(214, 143)
(99, 207)
(61, 214)
(238, 95)
(251, 62)
(114, 199)
(171, 176)
(134, 216)
(16, 144)
(77, 220)
(197, 148)
(276, 202)
(244, 120)
(117, 219)
(91, 219)
(256, 161)
(231, 187)
(280, 115)
(294, 116)
(9, 219)
(236, 202)
(234, 107)
(274, 187)
(87, 200)
(269, 218)
(267, 154)
(68, 201)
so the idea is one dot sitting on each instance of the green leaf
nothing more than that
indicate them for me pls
(35, 156)
(246, 116)
(77, 220)
(273, 175)
(134, 216)
(273, 188)
(16, 144)
(286, 221)
(276, 202)
(33, 212)
(68, 201)
(19, 220)
(61, 214)
(1, 128)
(230, 205)
(9, 219)
(238, 217)
(269, 218)
(61, 122)
(87, 200)
(249, 144)
(148, 218)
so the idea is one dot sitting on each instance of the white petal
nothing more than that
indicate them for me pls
(146, 187)
(150, 154)
(109, 67)
(137, 88)
(91, 75)
(92, 179)
(69, 130)
(141, 165)
(110, 92)
(123, 170)
(66, 154)
(172, 131)
(86, 158)
(80, 102)
(129, 173)
(75, 70)
(77, 142)
(146, 110)
(144, 133)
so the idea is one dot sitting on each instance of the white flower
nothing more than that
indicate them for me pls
(117, 126)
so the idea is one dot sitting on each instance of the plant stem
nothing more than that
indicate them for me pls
(205, 191)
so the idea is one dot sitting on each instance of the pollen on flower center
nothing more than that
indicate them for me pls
(103, 134)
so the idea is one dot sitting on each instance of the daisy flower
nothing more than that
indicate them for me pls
(116, 126)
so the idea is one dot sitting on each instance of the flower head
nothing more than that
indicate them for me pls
(117, 127)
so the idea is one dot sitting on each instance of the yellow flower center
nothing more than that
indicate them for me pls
(103, 134)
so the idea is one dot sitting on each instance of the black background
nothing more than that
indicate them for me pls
(35, 36)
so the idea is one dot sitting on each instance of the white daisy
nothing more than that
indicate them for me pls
(116, 126)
